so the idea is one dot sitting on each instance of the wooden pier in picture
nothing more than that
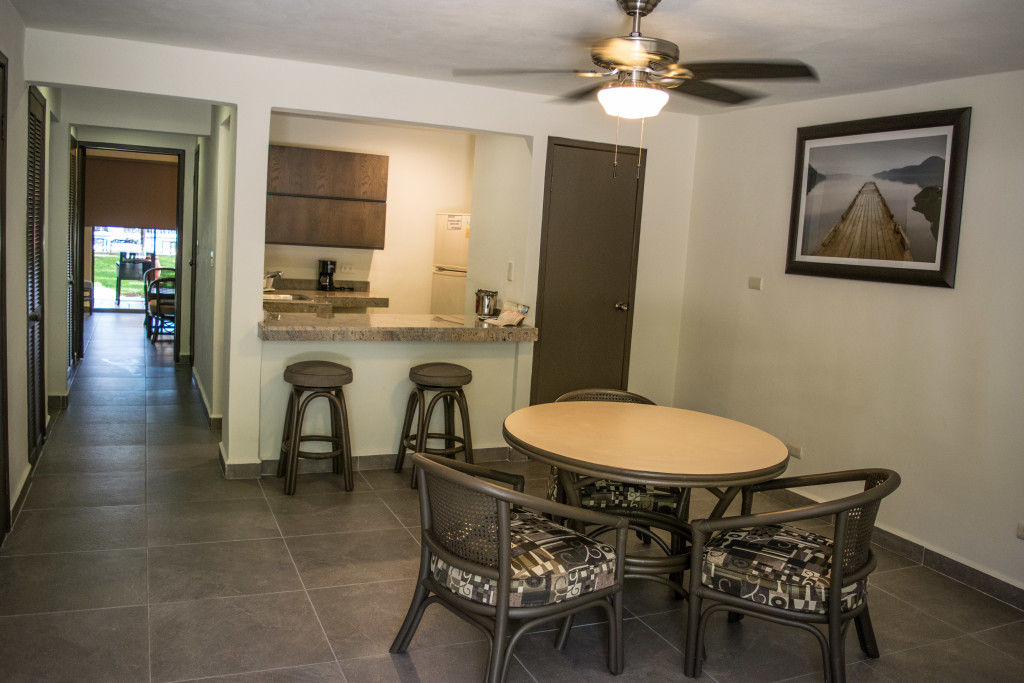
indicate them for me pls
(867, 230)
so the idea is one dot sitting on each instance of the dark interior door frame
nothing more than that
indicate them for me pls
(5, 486)
(76, 338)
(193, 260)
(180, 219)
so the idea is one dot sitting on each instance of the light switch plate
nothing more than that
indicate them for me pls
(755, 283)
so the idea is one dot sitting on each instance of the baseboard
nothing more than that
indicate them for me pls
(385, 461)
(19, 502)
(969, 576)
(55, 403)
(214, 423)
(245, 470)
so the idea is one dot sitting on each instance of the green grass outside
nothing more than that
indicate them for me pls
(104, 272)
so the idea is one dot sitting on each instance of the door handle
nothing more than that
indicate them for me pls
(621, 306)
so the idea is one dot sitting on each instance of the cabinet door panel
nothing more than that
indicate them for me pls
(327, 173)
(325, 222)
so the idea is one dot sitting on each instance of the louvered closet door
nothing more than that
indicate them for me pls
(5, 495)
(34, 273)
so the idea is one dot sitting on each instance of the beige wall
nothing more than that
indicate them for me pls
(924, 380)
(429, 171)
(12, 44)
(258, 86)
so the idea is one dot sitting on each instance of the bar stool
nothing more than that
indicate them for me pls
(310, 380)
(447, 379)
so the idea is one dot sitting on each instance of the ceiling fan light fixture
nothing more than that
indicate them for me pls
(632, 99)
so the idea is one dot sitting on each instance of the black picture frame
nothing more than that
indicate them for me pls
(841, 226)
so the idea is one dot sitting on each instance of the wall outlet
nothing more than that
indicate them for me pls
(1020, 530)
(795, 451)
(346, 268)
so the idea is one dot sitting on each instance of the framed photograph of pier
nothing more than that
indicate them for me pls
(879, 199)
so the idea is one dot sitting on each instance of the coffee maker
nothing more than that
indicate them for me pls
(325, 280)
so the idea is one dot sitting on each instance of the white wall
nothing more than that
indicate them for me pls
(921, 379)
(216, 188)
(501, 207)
(259, 85)
(924, 380)
(12, 44)
(429, 171)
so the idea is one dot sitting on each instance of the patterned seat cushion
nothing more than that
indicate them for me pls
(605, 494)
(550, 563)
(776, 565)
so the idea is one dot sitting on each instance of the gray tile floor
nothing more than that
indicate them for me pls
(133, 560)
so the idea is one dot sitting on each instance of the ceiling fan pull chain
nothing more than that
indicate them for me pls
(640, 151)
(615, 160)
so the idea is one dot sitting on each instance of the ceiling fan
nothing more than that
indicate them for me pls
(646, 69)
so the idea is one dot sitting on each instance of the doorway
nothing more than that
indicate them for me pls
(5, 487)
(132, 204)
(590, 239)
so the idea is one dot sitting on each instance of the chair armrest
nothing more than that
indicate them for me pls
(812, 480)
(709, 526)
(516, 481)
(520, 499)
(829, 508)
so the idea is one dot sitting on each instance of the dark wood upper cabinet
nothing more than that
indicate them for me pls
(326, 198)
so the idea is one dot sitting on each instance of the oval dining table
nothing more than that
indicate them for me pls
(648, 445)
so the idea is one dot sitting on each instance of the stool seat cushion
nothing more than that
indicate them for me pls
(441, 375)
(318, 373)
(550, 563)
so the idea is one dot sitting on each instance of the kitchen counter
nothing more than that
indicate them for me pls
(324, 303)
(388, 327)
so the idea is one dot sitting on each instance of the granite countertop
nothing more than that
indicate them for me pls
(337, 298)
(389, 327)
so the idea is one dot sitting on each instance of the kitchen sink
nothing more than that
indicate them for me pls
(285, 297)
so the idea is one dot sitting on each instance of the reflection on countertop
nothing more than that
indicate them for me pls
(389, 327)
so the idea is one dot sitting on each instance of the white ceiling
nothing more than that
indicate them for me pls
(855, 45)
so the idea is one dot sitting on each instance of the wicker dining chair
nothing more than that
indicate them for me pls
(604, 493)
(490, 556)
(759, 565)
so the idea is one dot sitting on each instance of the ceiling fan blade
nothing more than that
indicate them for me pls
(730, 70)
(581, 94)
(460, 73)
(716, 93)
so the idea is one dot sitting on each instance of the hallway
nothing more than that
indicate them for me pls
(134, 560)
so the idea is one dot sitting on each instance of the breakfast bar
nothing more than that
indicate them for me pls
(381, 348)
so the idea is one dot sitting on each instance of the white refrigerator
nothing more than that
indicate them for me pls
(451, 247)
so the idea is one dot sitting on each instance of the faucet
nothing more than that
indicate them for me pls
(276, 273)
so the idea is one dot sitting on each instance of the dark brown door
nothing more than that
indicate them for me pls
(589, 241)
(193, 260)
(5, 487)
(76, 299)
(34, 273)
